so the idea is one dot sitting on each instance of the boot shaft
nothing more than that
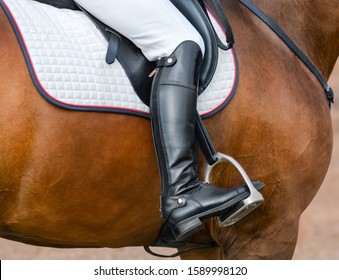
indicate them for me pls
(173, 110)
(182, 68)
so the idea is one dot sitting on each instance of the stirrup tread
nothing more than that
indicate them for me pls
(241, 209)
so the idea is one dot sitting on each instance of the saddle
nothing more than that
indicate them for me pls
(135, 64)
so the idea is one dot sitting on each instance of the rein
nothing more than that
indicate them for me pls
(277, 30)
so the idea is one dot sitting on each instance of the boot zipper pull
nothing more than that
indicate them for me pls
(152, 73)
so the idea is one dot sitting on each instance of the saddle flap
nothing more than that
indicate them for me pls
(193, 11)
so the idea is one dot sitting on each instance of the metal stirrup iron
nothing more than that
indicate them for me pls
(213, 158)
(247, 205)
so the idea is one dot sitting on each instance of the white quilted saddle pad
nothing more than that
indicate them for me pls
(65, 54)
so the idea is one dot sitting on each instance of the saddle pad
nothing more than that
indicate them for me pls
(65, 54)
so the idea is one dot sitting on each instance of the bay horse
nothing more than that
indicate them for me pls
(75, 179)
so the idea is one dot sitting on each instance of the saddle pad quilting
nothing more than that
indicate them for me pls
(66, 53)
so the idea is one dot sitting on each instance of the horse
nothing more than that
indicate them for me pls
(89, 180)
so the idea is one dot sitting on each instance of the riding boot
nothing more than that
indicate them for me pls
(185, 200)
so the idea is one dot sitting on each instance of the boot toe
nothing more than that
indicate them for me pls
(184, 213)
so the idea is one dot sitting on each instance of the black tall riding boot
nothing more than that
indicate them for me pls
(185, 200)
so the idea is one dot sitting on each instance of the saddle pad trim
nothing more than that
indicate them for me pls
(97, 108)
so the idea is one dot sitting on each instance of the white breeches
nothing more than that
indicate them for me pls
(155, 26)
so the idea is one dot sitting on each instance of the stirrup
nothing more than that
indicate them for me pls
(244, 207)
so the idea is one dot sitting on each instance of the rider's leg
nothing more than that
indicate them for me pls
(161, 31)
(155, 26)
(185, 200)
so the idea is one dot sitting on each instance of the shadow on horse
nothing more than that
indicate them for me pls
(75, 179)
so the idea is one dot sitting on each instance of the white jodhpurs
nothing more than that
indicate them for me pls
(155, 26)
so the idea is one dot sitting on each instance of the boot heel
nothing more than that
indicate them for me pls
(186, 228)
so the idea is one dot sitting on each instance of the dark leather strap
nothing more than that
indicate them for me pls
(225, 24)
(205, 141)
(195, 14)
(112, 50)
(197, 246)
(277, 30)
